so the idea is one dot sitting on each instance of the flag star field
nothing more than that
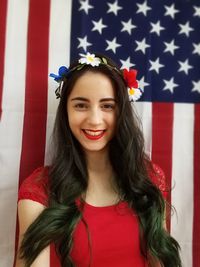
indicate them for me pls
(160, 41)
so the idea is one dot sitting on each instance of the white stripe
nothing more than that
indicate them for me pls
(12, 124)
(182, 179)
(144, 111)
(59, 52)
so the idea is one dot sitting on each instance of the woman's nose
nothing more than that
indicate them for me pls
(95, 116)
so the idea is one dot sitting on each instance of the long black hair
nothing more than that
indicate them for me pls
(68, 179)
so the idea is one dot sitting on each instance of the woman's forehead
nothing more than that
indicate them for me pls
(92, 84)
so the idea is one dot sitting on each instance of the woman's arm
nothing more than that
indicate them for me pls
(28, 211)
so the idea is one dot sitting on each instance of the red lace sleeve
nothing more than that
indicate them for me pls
(35, 186)
(158, 178)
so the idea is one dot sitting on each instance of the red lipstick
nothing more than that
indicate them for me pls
(93, 137)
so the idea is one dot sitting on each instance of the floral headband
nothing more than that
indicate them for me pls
(134, 91)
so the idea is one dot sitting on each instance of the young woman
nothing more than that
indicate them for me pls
(100, 203)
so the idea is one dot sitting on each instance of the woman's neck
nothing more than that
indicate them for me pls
(98, 161)
(102, 189)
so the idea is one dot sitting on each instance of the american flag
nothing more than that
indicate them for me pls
(161, 39)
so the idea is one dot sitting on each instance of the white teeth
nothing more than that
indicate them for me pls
(93, 133)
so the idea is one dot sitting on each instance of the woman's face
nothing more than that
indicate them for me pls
(92, 111)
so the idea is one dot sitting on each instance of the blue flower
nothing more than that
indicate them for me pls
(62, 72)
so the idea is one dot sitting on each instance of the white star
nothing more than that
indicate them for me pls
(155, 65)
(186, 29)
(143, 8)
(156, 27)
(112, 45)
(85, 6)
(83, 43)
(170, 11)
(114, 8)
(184, 66)
(196, 49)
(197, 11)
(196, 86)
(98, 26)
(128, 26)
(141, 45)
(142, 83)
(126, 64)
(170, 47)
(169, 85)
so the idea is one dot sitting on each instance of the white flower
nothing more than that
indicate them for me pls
(89, 59)
(134, 94)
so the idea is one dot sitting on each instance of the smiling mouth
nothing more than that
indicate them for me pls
(94, 134)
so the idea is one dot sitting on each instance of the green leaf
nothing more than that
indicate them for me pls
(104, 60)
(80, 67)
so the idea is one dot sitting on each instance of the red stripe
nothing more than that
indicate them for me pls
(162, 131)
(34, 128)
(3, 14)
(196, 221)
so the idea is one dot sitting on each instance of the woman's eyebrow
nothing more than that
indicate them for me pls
(87, 100)
(80, 98)
(108, 99)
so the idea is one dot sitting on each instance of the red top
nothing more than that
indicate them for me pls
(114, 230)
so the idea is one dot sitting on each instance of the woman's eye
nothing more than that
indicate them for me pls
(108, 106)
(80, 106)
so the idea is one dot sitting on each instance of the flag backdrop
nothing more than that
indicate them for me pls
(161, 39)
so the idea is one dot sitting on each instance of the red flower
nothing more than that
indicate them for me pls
(130, 77)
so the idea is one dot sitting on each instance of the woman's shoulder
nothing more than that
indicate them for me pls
(36, 186)
(158, 177)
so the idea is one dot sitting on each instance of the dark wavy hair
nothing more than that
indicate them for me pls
(68, 179)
